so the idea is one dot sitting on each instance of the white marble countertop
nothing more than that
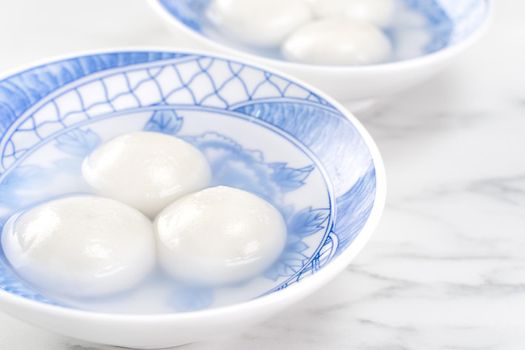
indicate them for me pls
(446, 267)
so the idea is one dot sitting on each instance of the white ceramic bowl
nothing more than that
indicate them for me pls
(455, 26)
(261, 131)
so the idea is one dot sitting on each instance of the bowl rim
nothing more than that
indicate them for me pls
(292, 293)
(441, 54)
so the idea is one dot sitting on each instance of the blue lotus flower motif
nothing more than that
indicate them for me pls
(308, 221)
(290, 179)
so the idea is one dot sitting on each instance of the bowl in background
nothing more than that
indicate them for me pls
(261, 131)
(453, 27)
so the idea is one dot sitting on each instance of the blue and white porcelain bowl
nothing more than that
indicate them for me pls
(260, 130)
(451, 26)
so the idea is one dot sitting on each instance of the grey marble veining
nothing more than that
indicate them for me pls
(446, 267)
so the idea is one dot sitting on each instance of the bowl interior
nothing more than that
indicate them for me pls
(420, 27)
(260, 132)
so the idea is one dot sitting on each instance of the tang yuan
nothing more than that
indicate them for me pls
(337, 41)
(262, 23)
(217, 236)
(146, 170)
(80, 246)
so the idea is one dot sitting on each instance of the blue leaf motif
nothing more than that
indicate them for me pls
(164, 121)
(78, 142)
(289, 179)
(191, 298)
(297, 247)
(13, 189)
(69, 165)
(292, 261)
(287, 211)
(308, 221)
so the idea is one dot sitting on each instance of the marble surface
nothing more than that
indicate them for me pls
(446, 268)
